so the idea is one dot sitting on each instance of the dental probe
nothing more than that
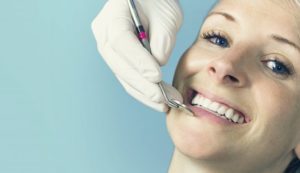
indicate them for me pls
(142, 35)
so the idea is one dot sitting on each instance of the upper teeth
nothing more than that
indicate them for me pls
(218, 108)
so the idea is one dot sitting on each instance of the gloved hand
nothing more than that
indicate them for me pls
(136, 69)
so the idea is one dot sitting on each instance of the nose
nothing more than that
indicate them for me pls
(229, 70)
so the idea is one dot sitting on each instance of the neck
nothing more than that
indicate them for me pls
(181, 163)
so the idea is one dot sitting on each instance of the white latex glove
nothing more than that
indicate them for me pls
(136, 69)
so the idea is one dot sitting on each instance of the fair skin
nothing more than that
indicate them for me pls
(247, 56)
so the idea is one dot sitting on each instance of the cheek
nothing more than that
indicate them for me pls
(275, 103)
(276, 115)
(190, 63)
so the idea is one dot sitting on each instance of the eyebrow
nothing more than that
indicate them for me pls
(226, 15)
(281, 39)
(275, 37)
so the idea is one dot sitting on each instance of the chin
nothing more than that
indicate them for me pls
(196, 139)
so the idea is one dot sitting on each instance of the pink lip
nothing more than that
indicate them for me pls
(199, 111)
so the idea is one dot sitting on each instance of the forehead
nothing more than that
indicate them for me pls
(281, 14)
(285, 4)
(274, 7)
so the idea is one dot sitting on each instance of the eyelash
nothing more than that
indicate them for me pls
(217, 36)
(218, 39)
(277, 66)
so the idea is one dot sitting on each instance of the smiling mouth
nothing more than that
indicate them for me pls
(198, 102)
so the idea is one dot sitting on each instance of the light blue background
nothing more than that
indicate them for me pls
(61, 108)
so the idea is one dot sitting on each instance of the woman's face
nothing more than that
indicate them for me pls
(246, 61)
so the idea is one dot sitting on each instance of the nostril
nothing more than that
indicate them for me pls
(213, 70)
(232, 78)
(224, 74)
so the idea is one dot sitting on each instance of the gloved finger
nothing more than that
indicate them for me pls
(113, 19)
(163, 29)
(99, 24)
(127, 47)
(148, 89)
(119, 33)
(119, 65)
(161, 107)
(129, 74)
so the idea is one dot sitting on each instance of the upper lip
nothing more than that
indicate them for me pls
(214, 98)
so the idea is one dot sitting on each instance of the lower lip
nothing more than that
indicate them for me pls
(202, 113)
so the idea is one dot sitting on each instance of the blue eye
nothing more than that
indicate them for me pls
(278, 67)
(217, 39)
(220, 41)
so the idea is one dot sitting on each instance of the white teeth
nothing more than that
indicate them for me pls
(241, 120)
(206, 102)
(235, 118)
(201, 101)
(196, 100)
(214, 106)
(221, 110)
(229, 113)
